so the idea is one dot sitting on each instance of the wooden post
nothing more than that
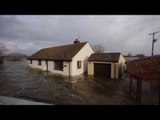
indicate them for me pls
(159, 92)
(151, 86)
(139, 88)
(130, 89)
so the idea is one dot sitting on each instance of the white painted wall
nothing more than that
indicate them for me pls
(90, 70)
(121, 65)
(65, 71)
(35, 64)
(82, 56)
(50, 66)
(121, 59)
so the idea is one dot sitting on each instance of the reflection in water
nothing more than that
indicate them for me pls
(18, 80)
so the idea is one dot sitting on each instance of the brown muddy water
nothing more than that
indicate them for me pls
(18, 80)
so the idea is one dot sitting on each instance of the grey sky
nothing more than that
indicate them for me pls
(117, 33)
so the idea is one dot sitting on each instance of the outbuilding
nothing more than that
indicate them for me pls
(108, 65)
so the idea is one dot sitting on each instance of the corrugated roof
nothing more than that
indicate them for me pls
(64, 52)
(105, 57)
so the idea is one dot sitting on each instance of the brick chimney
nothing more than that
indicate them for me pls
(76, 41)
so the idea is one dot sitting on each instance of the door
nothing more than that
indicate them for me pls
(102, 70)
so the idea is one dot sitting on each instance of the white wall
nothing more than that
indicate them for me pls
(82, 56)
(65, 71)
(50, 66)
(121, 59)
(35, 64)
(121, 65)
(90, 70)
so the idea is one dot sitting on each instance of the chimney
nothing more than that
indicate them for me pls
(76, 41)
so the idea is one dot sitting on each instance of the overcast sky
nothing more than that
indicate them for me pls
(117, 33)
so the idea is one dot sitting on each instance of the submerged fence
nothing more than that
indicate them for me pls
(146, 69)
(139, 79)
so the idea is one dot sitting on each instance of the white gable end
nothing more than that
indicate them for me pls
(82, 56)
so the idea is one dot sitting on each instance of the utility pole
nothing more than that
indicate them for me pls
(153, 40)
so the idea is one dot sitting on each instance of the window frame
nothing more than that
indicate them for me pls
(30, 61)
(79, 64)
(58, 65)
(39, 62)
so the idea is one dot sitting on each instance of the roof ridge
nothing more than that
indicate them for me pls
(109, 53)
(62, 52)
(62, 45)
(105, 57)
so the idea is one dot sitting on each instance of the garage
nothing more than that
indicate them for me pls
(102, 70)
(108, 65)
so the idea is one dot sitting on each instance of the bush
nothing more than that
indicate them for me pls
(15, 57)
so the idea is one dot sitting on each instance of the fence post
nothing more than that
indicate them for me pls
(139, 88)
(159, 92)
(130, 90)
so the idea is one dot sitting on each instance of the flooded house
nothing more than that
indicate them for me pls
(70, 59)
(108, 65)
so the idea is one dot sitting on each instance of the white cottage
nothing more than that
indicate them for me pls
(70, 60)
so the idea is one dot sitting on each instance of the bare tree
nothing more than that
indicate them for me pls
(99, 48)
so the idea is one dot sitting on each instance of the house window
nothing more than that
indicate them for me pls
(58, 65)
(30, 61)
(78, 64)
(39, 62)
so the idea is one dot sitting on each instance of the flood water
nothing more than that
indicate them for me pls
(18, 80)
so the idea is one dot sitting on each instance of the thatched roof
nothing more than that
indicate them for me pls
(105, 57)
(64, 52)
